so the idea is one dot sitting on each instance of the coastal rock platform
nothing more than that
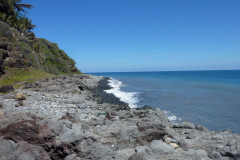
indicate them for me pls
(72, 118)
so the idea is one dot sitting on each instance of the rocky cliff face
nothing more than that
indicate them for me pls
(17, 51)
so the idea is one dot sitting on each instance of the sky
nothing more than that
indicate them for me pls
(142, 35)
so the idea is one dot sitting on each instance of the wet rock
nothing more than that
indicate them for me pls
(186, 125)
(6, 89)
(146, 107)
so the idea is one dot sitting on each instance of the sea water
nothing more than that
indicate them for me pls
(210, 98)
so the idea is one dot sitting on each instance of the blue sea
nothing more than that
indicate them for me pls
(210, 98)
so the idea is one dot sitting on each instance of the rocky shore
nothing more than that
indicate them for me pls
(72, 118)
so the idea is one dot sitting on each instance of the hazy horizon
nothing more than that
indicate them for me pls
(169, 71)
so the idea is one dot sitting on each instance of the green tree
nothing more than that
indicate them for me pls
(7, 8)
(20, 7)
(10, 7)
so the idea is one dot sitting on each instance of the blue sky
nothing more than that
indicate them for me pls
(142, 35)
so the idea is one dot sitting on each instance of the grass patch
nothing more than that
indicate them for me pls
(17, 77)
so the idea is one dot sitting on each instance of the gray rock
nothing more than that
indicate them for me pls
(201, 154)
(159, 147)
(226, 150)
(1, 105)
(68, 124)
(70, 135)
(6, 149)
(162, 118)
(72, 157)
(197, 154)
(101, 152)
(25, 151)
(202, 128)
(215, 155)
(186, 125)
(191, 136)
(128, 152)
(141, 149)
(137, 156)
(217, 137)
(173, 134)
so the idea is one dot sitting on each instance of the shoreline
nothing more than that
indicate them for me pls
(71, 117)
(104, 97)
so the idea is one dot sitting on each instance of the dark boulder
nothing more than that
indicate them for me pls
(186, 125)
(81, 88)
(1, 68)
(3, 45)
(6, 88)
(146, 107)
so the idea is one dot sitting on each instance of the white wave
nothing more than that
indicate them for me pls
(128, 97)
(171, 117)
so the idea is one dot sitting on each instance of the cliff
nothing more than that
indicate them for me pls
(18, 51)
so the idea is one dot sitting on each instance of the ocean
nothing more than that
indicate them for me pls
(210, 98)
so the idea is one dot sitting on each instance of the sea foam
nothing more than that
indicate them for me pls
(132, 97)
(171, 117)
(128, 97)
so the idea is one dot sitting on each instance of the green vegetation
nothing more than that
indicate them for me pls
(54, 59)
(17, 77)
(25, 57)
(11, 12)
